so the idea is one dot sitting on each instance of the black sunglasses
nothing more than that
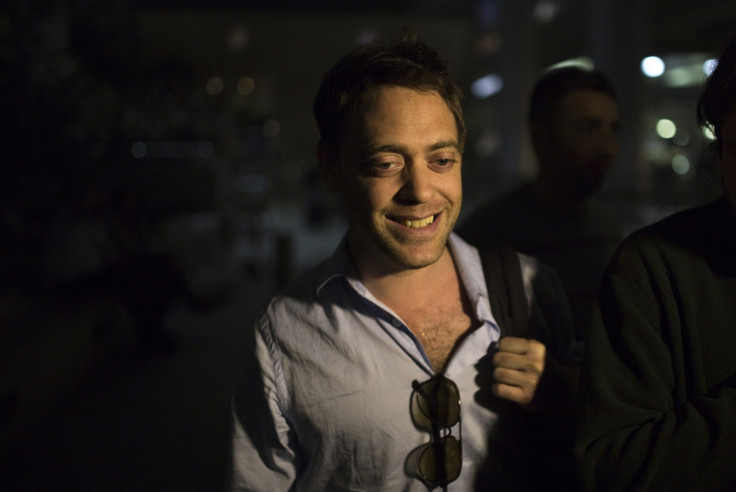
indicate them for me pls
(438, 400)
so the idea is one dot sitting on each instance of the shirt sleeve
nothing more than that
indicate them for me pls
(633, 435)
(264, 449)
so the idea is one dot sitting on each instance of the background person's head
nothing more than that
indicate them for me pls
(573, 120)
(352, 82)
(717, 111)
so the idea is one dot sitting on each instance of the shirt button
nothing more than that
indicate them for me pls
(396, 322)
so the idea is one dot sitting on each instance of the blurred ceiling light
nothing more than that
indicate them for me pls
(582, 62)
(545, 11)
(486, 86)
(245, 86)
(666, 128)
(681, 164)
(652, 66)
(215, 86)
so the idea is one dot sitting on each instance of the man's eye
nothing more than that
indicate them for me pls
(384, 167)
(444, 163)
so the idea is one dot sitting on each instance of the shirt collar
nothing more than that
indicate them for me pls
(467, 259)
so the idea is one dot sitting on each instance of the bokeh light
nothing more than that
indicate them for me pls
(666, 128)
(652, 66)
(487, 86)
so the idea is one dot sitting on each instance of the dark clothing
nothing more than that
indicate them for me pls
(659, 380)
(577, 245)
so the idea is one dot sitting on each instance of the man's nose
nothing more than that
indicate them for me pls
(417, 183)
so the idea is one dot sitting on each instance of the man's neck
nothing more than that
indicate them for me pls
(409, 285)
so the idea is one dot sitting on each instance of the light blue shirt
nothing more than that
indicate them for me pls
(326, 403)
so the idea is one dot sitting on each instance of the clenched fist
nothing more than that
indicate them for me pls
(519, 364)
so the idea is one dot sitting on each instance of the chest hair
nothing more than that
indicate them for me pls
(438, 328)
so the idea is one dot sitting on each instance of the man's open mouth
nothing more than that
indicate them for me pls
(415, 224)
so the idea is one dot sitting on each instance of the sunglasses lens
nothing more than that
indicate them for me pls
(441, 461)
(439, 401)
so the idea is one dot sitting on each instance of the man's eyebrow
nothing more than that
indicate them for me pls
(443, 145)
(396, 148)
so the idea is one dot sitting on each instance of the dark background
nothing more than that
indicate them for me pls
(194, 119)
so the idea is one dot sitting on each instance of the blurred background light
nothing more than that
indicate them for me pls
(486, 86)
(709, 65)
(488, 13)
(238, 39)
(681, 164)
(488, 143)
(652, 66)
(245, 86)
(365, 36)
(545, 11)
(488, 44)
(205, 149)
(215, 86)
(138, 150)
(666, 128)
(582, 62)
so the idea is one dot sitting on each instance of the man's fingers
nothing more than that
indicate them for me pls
(519, 364)
(512, 393)
(528, 362)
(514, 345)
(515, 378)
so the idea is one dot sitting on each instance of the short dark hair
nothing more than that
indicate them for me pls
(555, 84)
(719, 97)
(353, 80)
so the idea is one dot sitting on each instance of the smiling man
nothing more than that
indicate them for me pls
(384, 368)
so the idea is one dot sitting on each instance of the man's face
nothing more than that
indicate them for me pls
(728, 158)
(579, 146)
(398, 170)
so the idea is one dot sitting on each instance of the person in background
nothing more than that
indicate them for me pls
(383, 368)
(573, 123)
(659, 381)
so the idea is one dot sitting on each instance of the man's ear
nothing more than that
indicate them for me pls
(328, 166)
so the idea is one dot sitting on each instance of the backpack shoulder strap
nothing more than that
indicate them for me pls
(509, 304)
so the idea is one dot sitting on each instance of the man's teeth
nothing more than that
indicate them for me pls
(418, 224)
